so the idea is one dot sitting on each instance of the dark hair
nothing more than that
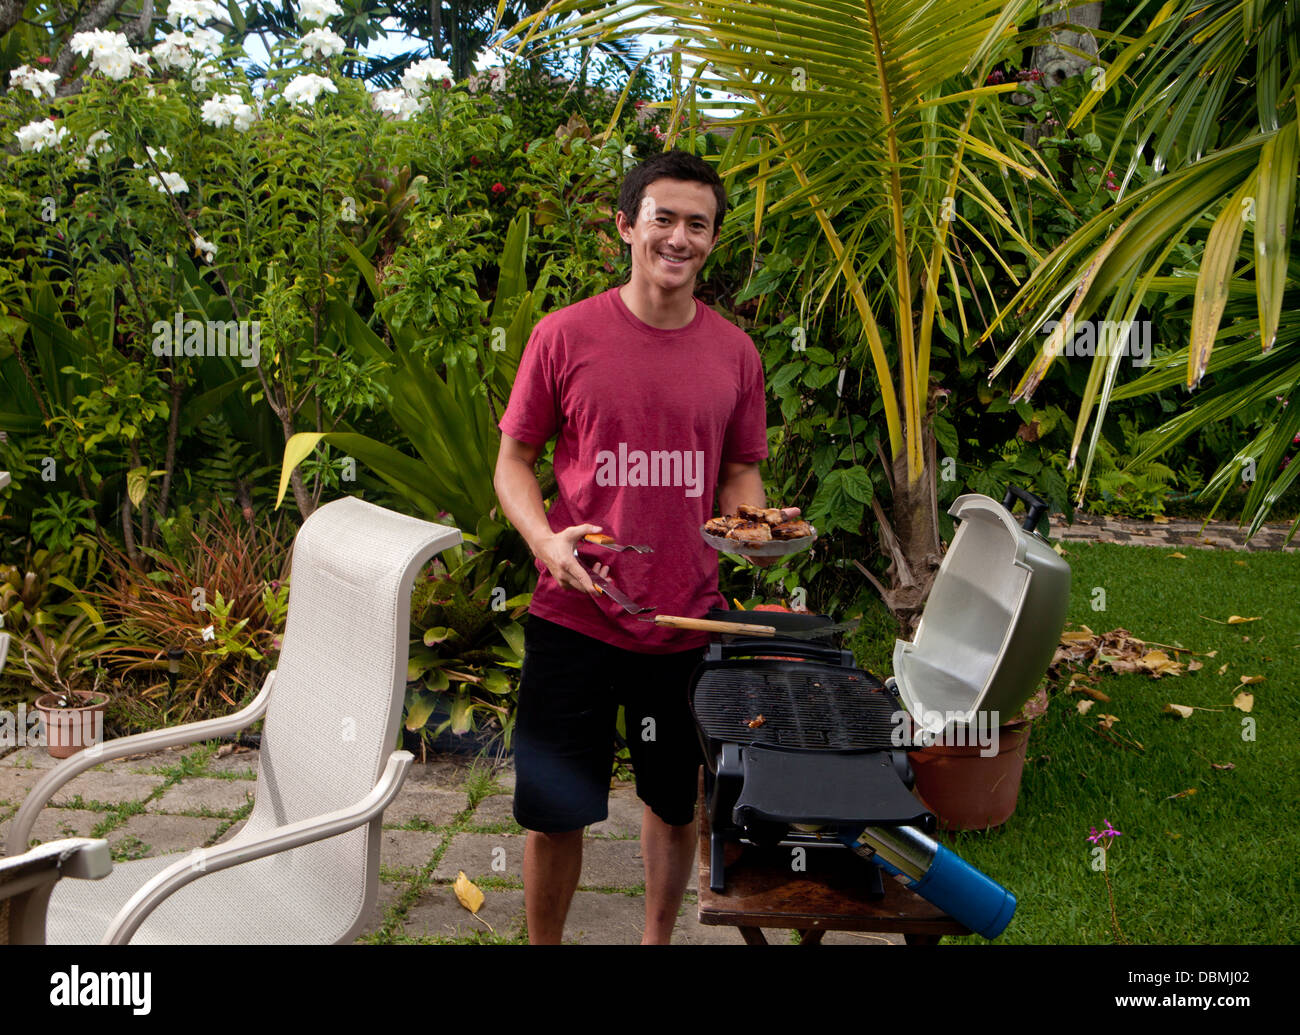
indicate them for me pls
(672, 165)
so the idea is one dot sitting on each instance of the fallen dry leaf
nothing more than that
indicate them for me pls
(1244, 701)
(1182, 794)
(1180, 556)
(1241, 563)
(1181, 710)
(1222, 765)
(1084, 706)
(1158, 663)
(468, 893)
(1223, 668)
(1211, 653)
(1248, 680)
(1194, 665)
(1107, 721)
(1159, 519)
(1238, 620)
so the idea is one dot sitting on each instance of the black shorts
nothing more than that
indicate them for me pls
(569, 693)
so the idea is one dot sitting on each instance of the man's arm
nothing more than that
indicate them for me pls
(521, 502)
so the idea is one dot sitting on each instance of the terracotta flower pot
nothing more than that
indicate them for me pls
(70, 728)
(966, 790)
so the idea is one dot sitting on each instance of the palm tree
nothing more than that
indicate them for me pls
(1213, 110)
(863, 115)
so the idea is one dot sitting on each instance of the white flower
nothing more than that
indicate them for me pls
(109, 52)
(395, 102)
(97, 144)
(174, 51)
(37, 136)
(322, 43)
(206, 247)
(416, 78)
(200, 12)
(24, 77)
(208, 40)
(497, 77)
(316, 11)
(305, 89)
(223, 111)
(174, 181)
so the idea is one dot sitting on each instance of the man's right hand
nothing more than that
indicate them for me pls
(556, 552)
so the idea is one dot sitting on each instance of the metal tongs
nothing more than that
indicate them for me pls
(609, 589)
(608, 543)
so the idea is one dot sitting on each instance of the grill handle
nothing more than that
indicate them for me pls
(777, 646)
(1035, 507)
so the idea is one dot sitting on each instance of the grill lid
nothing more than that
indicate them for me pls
(991, 623)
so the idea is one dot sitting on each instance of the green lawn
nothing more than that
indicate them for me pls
(1217, 866)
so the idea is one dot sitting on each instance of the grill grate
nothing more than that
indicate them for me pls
(804, 706)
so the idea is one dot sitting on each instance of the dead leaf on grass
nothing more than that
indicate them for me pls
(1180, 556)
(1084, 706)
(1211, 653)
(1244, 701)
(1222, 765)
(1181, 710)
(1238, 620)
(1194, 665)
(1223, 668)
(1107, 721)
(1248, 680)
(1182, 794)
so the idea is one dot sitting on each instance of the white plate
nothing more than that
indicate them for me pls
(775, 548)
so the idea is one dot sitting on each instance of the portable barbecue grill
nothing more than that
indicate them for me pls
(804, 748)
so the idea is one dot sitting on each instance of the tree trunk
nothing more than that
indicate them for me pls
(911, 539)
(1057, 64)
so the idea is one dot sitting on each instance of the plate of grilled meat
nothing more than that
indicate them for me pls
(758, 532)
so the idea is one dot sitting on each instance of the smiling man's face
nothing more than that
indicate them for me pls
(672, 236)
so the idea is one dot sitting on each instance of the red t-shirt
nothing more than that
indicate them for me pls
(645, 418)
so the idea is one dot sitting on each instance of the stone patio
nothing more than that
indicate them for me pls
(146, 806)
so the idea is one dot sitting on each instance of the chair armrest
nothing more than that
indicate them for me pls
(139, 743)
(292, 835)
(26, 882)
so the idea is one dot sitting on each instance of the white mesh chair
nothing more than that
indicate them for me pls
(305, 867)
(27, 880)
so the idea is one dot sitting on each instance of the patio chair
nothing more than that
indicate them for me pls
(305, 867)
(27, 880)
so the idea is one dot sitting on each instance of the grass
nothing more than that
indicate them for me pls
(1211, 867)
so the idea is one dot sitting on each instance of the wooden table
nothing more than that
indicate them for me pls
(763, 890)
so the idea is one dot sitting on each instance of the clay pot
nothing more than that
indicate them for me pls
(967, 791)
(70, 728)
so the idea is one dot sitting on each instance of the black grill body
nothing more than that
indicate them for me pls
(795, 735)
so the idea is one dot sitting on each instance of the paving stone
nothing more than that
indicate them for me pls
(439, 914)
(164, 834)
(408, 849)
(446, 772)
(55, 824)
(606, 863)
(109, 788)
(494, 811)
(625, 812)
(30, 758)
(15, 783)
(597, 918)
(231, 831)
(389, 894)
(242, 763)
(200, 792)
(425, 803)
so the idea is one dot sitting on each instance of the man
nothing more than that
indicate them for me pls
(658, 404)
